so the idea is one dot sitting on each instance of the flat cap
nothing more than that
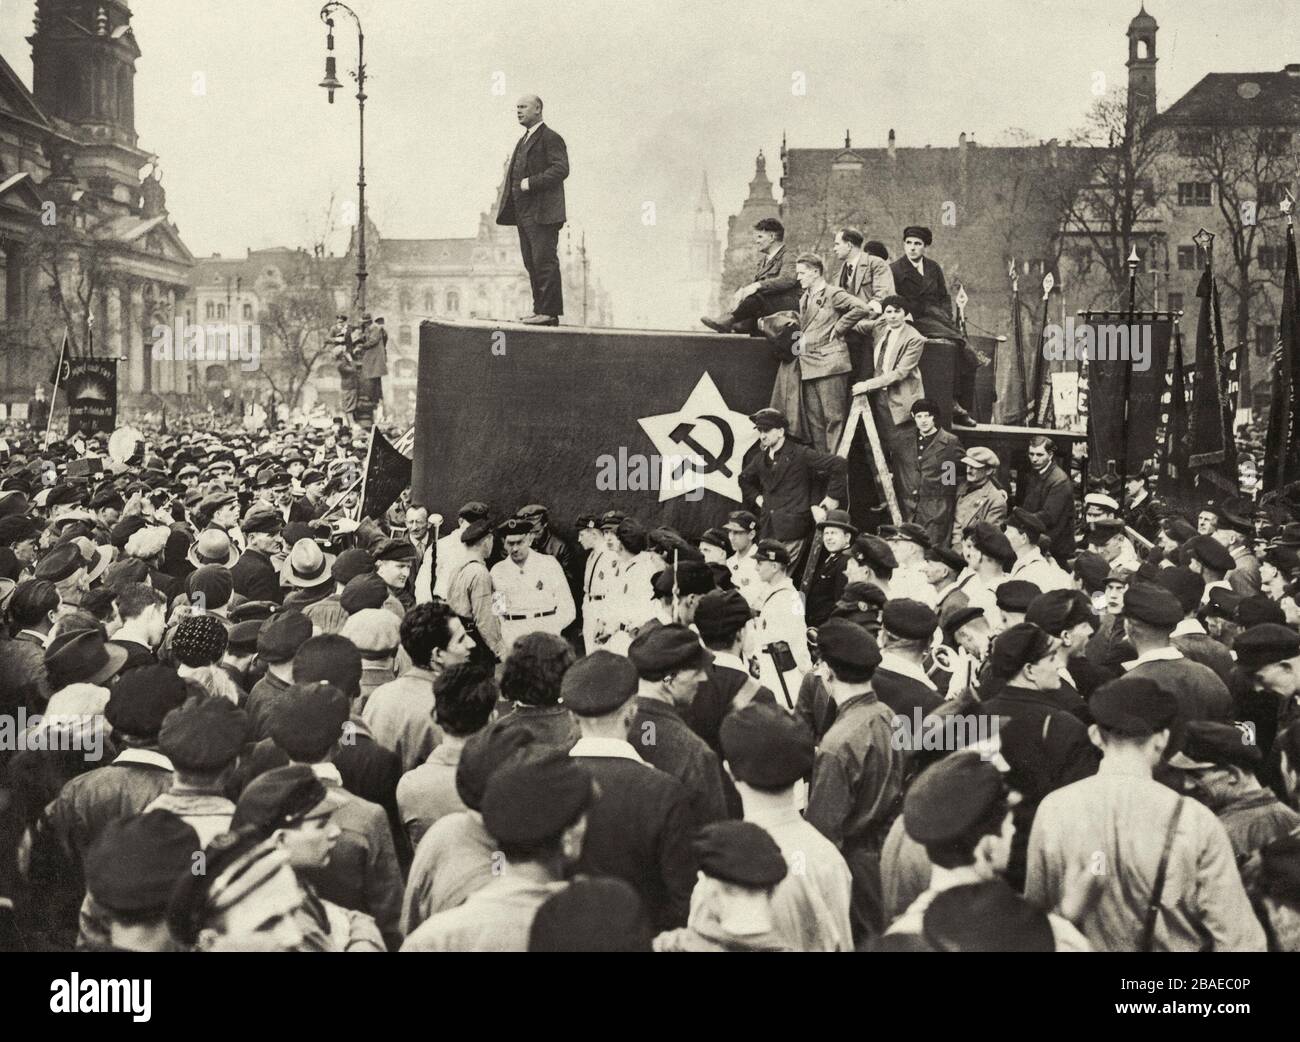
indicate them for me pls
(484, 754)
(740, 521)
(1028, 522)
(986, 917)
(1264, 645)
(532, 802)
(243, 637)
(720, 613)
(142, 698)
(774, 551)
(1153, 605)
(715, 537)
(350, 563)
(1257, 609)
(1091, 569)
(60, 563)
(375, 631)
(128, 570)
(393, 550)
(1210, 552)
(203, 734)
(692, 577)
(844, 644)
(1209, 743)
(261, 519)
(1222, 603)
(473, 510)
(1057, 610)
(980, 456)
(950, 621)
(476, 531)
(598, 683)
(1016, 595)
(951, 797)
(307, 718)
(907, 532)
(1018, 646)
(946, 555)
(988, 540)
(873, 551)
(767, 747)
(907, 618)
(739, 852)
(282, 635)
(134, 863)
(283, 798)
(1103, 530)
(363, 592)
(661, 650)
(769, 419)
(1101, 499)
(1184, 584)
(1134, 706)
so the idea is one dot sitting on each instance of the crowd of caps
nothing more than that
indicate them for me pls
(381, 736)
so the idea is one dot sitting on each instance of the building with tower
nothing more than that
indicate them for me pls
(738, 262)
(88, 244)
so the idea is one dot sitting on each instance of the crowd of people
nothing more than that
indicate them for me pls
(236, 718)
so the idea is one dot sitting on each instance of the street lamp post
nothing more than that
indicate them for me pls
(331, 84)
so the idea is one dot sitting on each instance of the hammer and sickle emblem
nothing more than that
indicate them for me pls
(708, 462)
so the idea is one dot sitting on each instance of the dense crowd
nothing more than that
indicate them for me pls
(236, 719)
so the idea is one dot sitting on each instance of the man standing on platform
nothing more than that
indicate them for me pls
(826, 314)
(933, 496)
(771, 291)
(783, 477)
(1049, 495)
(534, 202)
(373, 360)
(896, 374)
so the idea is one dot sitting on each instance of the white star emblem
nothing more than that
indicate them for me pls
(702, 445)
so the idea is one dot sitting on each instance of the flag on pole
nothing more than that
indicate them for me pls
(1282, 458)
(1212, 452)
(60, 373)
(1176, 481)
(388, 472)
(1011, 381)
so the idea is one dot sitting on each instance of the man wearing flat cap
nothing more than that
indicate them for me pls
(768, 752)
(1141, 831)
(256, 577)
(639, 830)
(900, 680)
(1023, 530)
(979, 498)
(532, 590)
(722, 619)
(857, 777)
(1235, 532)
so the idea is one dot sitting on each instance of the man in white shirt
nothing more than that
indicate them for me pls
(531, 589)
(1023, 530)
(909, 543)
(781, 618)
(431, 581)
(741, 528)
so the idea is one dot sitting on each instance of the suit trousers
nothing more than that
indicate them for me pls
(825, 407)
(900, 448)
(538, 243)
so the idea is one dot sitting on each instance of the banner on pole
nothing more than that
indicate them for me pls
(91, 387)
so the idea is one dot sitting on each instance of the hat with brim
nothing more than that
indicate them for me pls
(208, 549)
(838, 519)
(307, 566)
(101, 558)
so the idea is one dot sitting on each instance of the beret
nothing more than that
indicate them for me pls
(306, 718)
(142, 698)
(134, 863)
(282, 635)
(60, 563)
(721, 613)
(986, 917)
(375, 631)
(1057, 610)
(1134, 706)
(951, 797)
(1103, 530)
(1210, 552)
(592, 914)
(262, 519)
(394, 550)
(774, 551)
(213, 584)
(1264, 645)
(484, 753)
(282, 798)
(1028, 522)
(515, 526)
(863, 596)
(716, 537)
(907, 618)
(953, 620)
(769, 419)
(1092, 569)
(918, 231)
(692, 577)
(1253, 610)
(767, 747)
(1184, 584)
(243, 637)
(598, 683)
(739, 852)
(199, 640)
(16, 529)
(475, 531)
(947, 556)
(992, 543)
(532, 802)
(631, 533)
(874, 551)
(925, 405)
(908, 532)
(363, 592)
(740, 521)
(128, 570)
(350, 563)
(661, 650)
(203, 734)
(1153, 605)
(1016, 595)
(844, 644)
(1207, 742)
(252, 611)
(473, 510)
(1018, 646)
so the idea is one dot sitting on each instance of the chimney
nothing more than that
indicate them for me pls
(1051, 151)
(1293, 70)
(961, 141)
(891, 142)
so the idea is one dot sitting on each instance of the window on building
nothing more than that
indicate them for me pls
(404, 301)
(404, 336)
(248, 312)
(1148, 190)
(1271, 192)
(429, 305)
(1193, 193)
(1188, 258)
(209, 310)
(453, 303)
(189, 317)
(1275, 142)
(221, 311)
(1175, 302)
(1271, 258)
(1195, 142)
(1265, 340)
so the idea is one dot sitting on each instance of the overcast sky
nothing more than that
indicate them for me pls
(647, 93)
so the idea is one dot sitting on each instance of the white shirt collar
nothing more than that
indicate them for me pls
(327, 773)
(730, 661)
(531, 130)
(44, 638)
(591, 745)
(1188, 627)
(1165, 654)
(151, 757)
(895, 663)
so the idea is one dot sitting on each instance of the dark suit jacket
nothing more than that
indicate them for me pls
(927, 294)
(1051, 495)
(663, 740)
(770, 279)
(546, 164)
(789, 487)
(256, 578)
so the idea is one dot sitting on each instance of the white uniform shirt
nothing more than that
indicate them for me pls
(744, 574)
(450, 553)
(538, 591)
(781, 617)
(1037, 569)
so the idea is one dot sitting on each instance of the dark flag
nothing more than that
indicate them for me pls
(59, 375)
(1212, 452)
(91, 388)
(1012, 382)
(388, 472)
(1040, 408)
(1176, 482)
(1282, 458)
